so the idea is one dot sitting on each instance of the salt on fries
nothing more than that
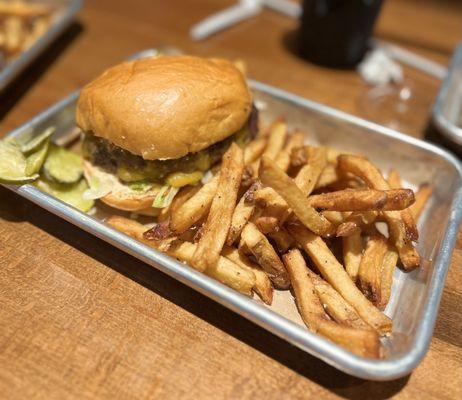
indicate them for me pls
(274, 215)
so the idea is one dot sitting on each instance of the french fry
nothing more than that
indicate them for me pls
(310, 173)
(370, 269)
(410, 226)
(14, 34)
(282, 239)
(336, 217)
(329, 176)
(276, 138)
(136, 230)
(332, 155)
(363, 200)
(268, 198)
(398, 199)
(388, 268)
(283, 158)
(160, 231)
(355, 221)
(394, 179)
(399, 233)
(198, 205)
(349, 200)
(267, 224)
(254, 150)
(421, 198)
(265, 255)
(335, 305)
(265, 133)
(352, 254)
(336, 275)
(182, 196)
(225, 271)
(242, 214)
(195, 208)
(215, 229)
(263, 286)
(277, 179)
(308, 303)
(23, 9)
(363, 342)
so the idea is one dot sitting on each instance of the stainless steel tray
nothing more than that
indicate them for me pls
(416, 295)
(66, 14)
(447, 111)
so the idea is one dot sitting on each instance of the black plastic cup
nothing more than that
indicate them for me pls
(336, 33)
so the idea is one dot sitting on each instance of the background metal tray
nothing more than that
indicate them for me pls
(447, 111)
(416, 295)
(67, 12)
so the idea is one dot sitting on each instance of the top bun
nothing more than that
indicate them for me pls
(165, 107)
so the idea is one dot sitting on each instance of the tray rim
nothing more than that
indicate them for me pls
(380, 370)
(14, 68)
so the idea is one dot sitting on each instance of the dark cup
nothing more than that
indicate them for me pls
(336, 33)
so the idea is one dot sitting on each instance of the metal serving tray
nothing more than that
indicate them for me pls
(416, 295)
(447, 111)
(65, 15)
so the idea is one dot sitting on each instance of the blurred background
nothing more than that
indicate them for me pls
(270, 43)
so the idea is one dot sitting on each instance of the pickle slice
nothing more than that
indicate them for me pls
(35, 160)
(69, 193)
(62, 165)
(34, 144)
(12, 163)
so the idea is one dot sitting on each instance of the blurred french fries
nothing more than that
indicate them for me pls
(421, 198)
(283, 158)
(21, 25)
(279, 207)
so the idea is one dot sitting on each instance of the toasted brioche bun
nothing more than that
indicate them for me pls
(123, 197)
(166, 107)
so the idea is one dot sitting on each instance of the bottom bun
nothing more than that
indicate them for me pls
(122, 196)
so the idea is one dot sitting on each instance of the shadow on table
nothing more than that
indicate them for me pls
(15, 209)
(16, 89)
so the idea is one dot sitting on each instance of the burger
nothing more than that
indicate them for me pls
(154, 125)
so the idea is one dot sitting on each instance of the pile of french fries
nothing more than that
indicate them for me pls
(21, 24)
(282, 215)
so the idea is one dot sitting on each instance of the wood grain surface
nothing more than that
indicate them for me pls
(82, 320)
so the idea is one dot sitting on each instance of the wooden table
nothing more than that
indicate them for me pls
(79, 319)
